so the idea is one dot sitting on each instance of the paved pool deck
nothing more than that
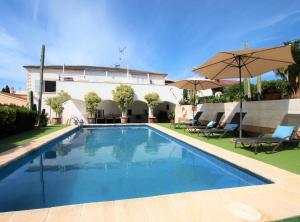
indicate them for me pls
(253, 203)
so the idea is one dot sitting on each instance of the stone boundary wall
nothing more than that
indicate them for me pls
(262, 116)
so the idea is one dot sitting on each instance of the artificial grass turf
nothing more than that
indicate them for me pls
(12, 141)
(292, 219)
(287, 158)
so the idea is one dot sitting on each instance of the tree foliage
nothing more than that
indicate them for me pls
(292, 72)
(152, 100)
(91, 101)
(232, 93)
(123, 95)
(6, 89)
(185, 95)
(188, 98)
(16, 119)
(56, 102)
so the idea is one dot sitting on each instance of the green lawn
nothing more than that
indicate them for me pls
(293, 219)
(25, 137)
(287, 158)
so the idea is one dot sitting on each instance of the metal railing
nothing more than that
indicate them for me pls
(75, 120)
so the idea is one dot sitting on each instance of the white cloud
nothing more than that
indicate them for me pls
(11, 57)
(269, 21)
(86, 34)
(74, 33)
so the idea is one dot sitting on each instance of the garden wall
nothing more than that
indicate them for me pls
(262, 116)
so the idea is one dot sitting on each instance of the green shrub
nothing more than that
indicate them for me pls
(232, 93)
(152, 100)
(56, 102)
(280, 86)
(7, 118)
(171, 115)
(123, 95)
(44, 118)
(91, 101)
(15, 119)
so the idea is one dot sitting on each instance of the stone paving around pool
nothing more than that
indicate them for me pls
(253, 203)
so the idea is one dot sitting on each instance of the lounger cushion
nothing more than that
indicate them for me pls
(230, 126)
(283, 132)
(211, 124)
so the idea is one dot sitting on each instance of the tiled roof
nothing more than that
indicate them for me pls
(18, 96)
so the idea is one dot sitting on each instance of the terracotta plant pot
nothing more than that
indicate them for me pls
(172, 121)
(91, 120)
(272, 96)
(151, 119)
(56, 120)
(124, 120)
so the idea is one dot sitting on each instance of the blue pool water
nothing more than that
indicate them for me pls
(111, 163)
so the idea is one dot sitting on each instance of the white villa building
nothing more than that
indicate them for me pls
(79, 80)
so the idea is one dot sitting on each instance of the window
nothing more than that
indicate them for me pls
(50, 86)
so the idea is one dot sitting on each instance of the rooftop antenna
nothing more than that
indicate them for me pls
(121, 54)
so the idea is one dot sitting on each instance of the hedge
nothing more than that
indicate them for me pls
(231, 93)
(16, 119)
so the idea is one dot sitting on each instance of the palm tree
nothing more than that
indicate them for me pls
(49, 102)
(292, 72)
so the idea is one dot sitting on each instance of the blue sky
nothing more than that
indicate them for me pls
(169, 36)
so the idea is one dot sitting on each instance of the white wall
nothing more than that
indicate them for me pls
(109, 107)
(203, 93)
(267, 113)
(98, 76)
(77, 90)
(138, 107)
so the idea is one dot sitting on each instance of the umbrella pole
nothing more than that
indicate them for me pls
(194, 102)
(241, 99)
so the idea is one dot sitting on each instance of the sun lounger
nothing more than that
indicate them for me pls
(211, 124)
(189, 123)
(285, 132)
(231, 127)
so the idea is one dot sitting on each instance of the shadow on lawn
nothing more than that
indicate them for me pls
(10, 141)
(291, 145)
(227, 141)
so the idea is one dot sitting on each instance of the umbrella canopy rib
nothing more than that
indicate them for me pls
(266, 59)
(221, 61)
(222, 70)
(248, 51)
(183, 87)
(246, 68)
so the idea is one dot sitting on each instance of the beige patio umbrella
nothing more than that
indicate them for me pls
(196, 84)
(245, 63)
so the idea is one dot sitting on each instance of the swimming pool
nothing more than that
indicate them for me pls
(112, 163)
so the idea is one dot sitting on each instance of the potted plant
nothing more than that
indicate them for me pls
(57, 106)
(123, 95)
(91, 101)
(152, 100)
(171, 116)
(271, 93)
